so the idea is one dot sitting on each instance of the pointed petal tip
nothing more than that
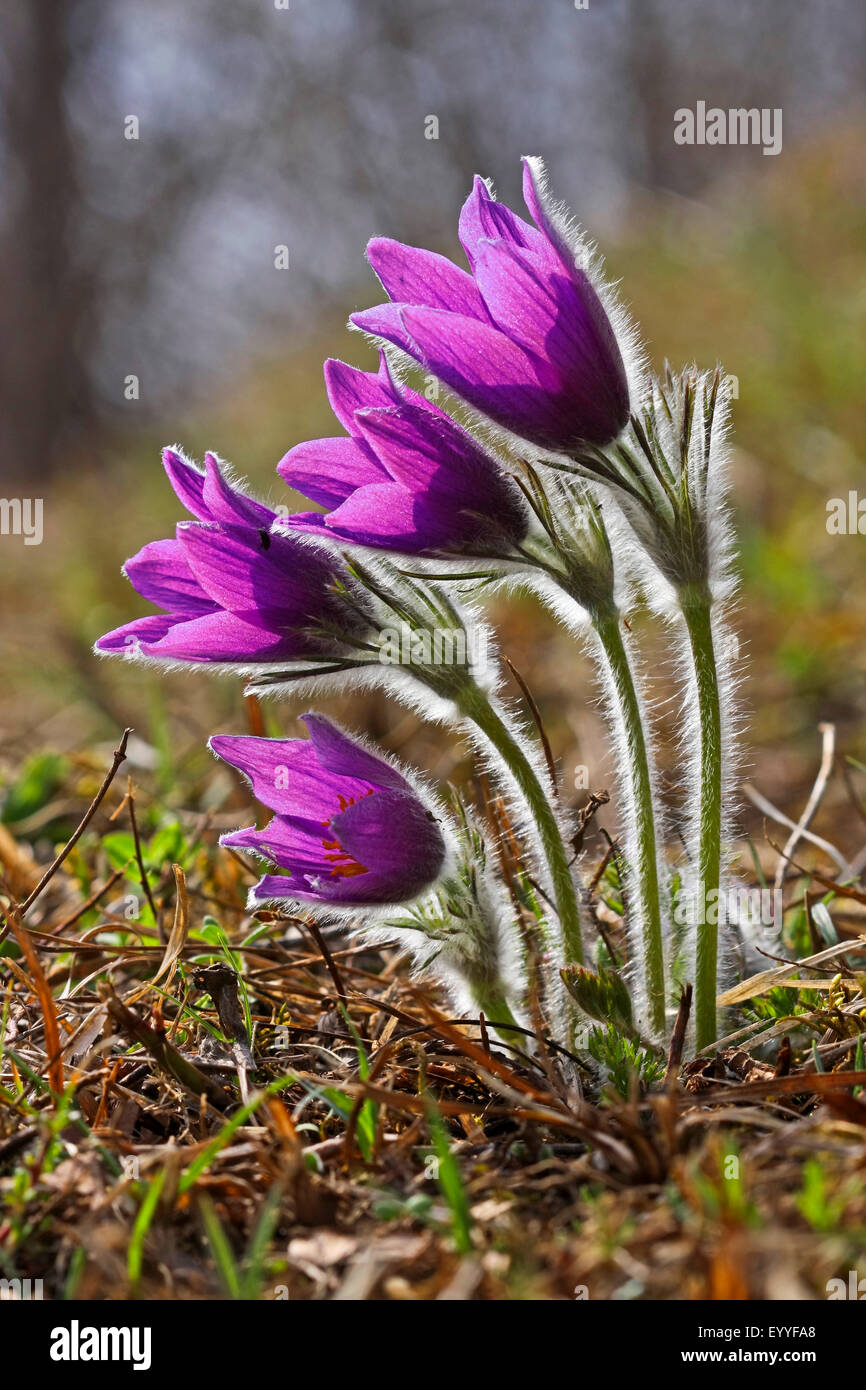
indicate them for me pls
(334, 365)
(534, 182)
(313, 720)
(368, 320)
(229, 838)
(381, 243)
(308, 523)
(342, 378)
(174, 459)
(480, 189)
(220, 744)
(384, 321)
(284, 466)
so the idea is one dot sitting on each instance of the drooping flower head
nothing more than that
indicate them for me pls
(524, 337)
(348, 826)
(232, 591)
(407, 478)
(242, 594)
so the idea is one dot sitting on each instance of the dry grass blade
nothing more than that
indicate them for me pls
(119, 757)
(799, 1084)
(539, 724)
(781, 974)
(493, 1066)
(39, 983)
(828, 753)
(160, 1092)
(678, 1037)
(163, 1053)
(179, 930)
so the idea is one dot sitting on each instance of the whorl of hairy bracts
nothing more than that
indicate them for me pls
(686, 549)
(455, 628)
(464, 936)
(669, 479)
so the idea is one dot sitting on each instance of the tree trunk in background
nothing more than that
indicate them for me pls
(651, 91)
(43, 387)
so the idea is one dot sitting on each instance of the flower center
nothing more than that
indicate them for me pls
(343, 864)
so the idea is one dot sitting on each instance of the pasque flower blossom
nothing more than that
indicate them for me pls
(407, 478)
(619, 484)
(241, 595)
(232, 591)
(348, 826)
(524, 338)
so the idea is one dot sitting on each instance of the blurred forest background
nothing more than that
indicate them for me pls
(307, 127)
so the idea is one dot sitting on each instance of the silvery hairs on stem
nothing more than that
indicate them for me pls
(465, 695)
(579, 577)
(668, 475)
(464, 931)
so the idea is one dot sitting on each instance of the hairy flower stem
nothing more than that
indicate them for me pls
(476, 705)
(497, 1014)
(646, 873)
(696, 610)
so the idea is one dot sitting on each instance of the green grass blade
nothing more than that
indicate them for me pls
(141, 1226)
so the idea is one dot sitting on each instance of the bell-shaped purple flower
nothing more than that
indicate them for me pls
(348, 826)
(407, 478)
(231, 590)
(524, 338)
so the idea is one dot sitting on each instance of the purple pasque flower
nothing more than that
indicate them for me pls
(524, 338)
(348, 826)
(407, 478)
(231, 590)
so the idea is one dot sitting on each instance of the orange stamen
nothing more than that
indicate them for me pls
(344, 866)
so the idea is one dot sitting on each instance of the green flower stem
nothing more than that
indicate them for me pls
(696, 610)
(476, 705)
(646, 877)
(497, 1014)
